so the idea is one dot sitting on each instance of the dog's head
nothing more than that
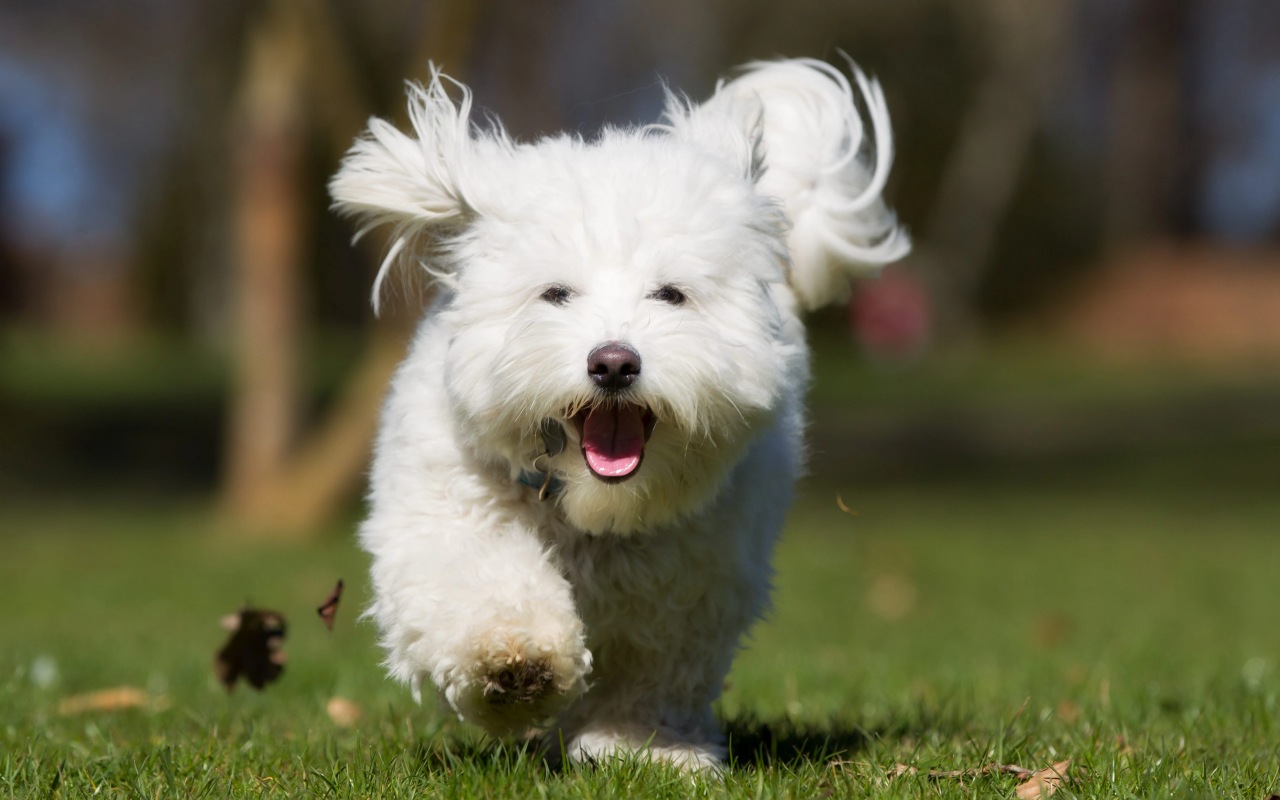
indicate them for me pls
(622, 312)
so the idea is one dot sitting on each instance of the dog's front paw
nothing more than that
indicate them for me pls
(519, 682)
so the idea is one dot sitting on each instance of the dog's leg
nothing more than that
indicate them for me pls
(472, 602)
(600, 743)
(658, 671)
(666, 611)
(665, 616)
(465, 592)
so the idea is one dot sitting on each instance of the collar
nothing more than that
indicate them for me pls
(547, 484)
(553, 441)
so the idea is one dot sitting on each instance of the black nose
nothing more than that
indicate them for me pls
(613, 366)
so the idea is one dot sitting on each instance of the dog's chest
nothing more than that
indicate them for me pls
(633, 583)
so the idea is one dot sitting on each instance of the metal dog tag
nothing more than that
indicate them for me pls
(553, 437)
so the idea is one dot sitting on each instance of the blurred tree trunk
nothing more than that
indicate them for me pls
(278, 482)
(1148, 192)
(1023, 42)
(269, 232)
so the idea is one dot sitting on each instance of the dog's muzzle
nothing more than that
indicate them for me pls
(613, 431)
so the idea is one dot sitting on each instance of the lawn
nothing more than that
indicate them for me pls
(1114, 606)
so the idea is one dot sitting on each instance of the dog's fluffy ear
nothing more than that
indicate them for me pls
(416, 183)
(794, 126)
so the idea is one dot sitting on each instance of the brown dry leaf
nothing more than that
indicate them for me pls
(891, 596)
(1052, 629)
(898, 770)
(253, 651)
(328, 610)
(841, 505)
(119, 698)
(1043, 782)
(343, 712)
(1069, 712)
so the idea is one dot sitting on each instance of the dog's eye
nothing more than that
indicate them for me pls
(669, 294)
(557, 295)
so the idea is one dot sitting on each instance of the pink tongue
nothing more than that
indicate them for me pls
(613, 440)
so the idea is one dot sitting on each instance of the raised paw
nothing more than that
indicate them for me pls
(516, 683)
(520, 682)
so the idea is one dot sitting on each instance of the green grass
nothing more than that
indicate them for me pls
(1049, 561)
(942, 627)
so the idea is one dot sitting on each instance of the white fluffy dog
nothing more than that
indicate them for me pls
(585, 459)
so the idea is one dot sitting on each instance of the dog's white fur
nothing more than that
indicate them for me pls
(607, 613)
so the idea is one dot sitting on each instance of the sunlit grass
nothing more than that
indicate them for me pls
(941, 627)
(1108, 598)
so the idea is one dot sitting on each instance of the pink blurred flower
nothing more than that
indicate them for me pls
(891, 316)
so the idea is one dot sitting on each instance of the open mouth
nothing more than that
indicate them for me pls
(613, 438)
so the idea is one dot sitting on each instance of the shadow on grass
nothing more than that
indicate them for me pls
(756, 743)
(764, 743)
(752, 743)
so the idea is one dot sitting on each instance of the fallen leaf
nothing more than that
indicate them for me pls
(840, 505)
(891, 596)
(253, 650)
(1052, 629)
(119, 698)
(329, 608)
(1069, 712)
(343, 712)
(1043, 782)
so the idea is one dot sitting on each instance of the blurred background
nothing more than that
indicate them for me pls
(1093, 188)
